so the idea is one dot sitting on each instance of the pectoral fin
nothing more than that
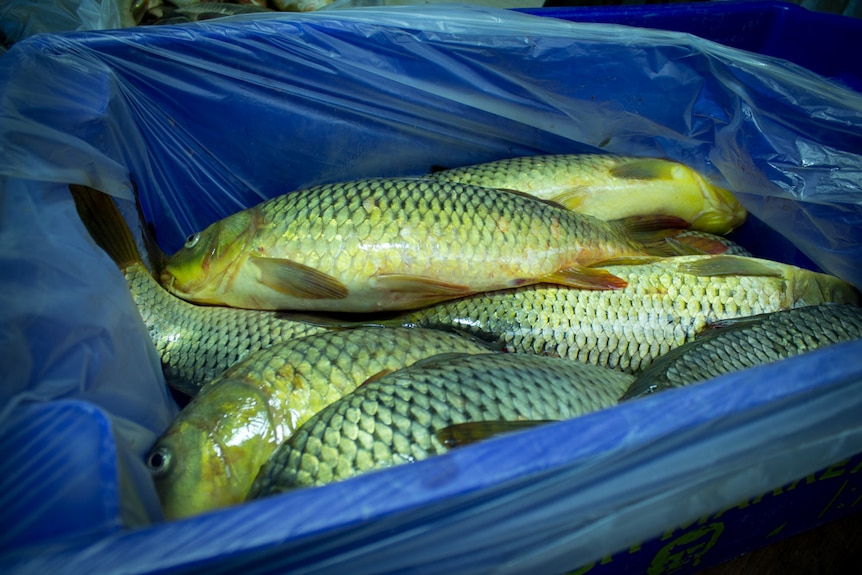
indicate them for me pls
(721, 265)
(644, 169)
(421, 287)
(461, 434)
(298, 280)
(376, 376)
(584, 278)
(571, 198)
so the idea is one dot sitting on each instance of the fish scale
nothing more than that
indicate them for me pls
(195, 343)
(663, 307)
(209, 455)
(610, 187)
(393, 243)
(394, 419)
(747, 342)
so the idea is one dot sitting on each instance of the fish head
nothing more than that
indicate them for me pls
(724, 212)
(211, 453)
(203, 268)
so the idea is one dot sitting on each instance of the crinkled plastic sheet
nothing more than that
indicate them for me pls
(214, 117)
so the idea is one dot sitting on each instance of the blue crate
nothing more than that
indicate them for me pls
(213, 117)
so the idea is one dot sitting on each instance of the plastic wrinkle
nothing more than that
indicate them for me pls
(213, 117)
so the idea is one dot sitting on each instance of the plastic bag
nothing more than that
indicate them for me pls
(213, 117)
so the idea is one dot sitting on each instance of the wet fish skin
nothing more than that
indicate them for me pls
(394, 419)
(210, 454)
(739, 344)
(663, 307)
(195, 343)
(611, 187)
(389, 244)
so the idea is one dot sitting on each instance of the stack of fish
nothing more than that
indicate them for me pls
(598, 272)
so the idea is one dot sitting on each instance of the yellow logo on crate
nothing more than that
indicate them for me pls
(686, 550)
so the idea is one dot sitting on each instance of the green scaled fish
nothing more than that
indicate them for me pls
(611, 187)
(666, 303)
(394, 244)
(209, 456)
(735, 345)
(195, 343)
(395, 419)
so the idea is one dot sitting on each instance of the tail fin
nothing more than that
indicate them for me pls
(157, 257)
(652, 231)
(106, 225)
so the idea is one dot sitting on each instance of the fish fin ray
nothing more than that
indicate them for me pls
(571, 198)
(644, 169)
(626, 261)
(725, 265)
(422, 286)
(376, 376)
(106, 224)
(461, 434)
(694, 245)
(584, 278)
(298, 280)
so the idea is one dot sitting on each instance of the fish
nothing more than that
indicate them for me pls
(195, 343)
(394, 419)
(300, 5)
(734, 345)
(694, 242)
(666, 304)
(611, 187)
(398, 243)
(213, 450)
(199, 11)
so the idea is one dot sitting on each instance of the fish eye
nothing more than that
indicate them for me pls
(193, 240)
(159, 460)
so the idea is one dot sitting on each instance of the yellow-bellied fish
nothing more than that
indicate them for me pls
(392, 244)
(210, 454)
(195, 343)
(611, 187)
(395, 419)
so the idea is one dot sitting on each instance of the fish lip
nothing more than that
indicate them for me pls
(168, 279)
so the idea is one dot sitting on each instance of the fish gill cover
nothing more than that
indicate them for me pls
(215, 117)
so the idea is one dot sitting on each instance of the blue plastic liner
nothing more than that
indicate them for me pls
(213, 117)
(820, 41)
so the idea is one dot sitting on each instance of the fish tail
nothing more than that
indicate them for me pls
(657, 234)
(106, 225)
(155, 254)
(653, 228)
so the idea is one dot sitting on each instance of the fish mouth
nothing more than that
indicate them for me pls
(726, 212)
(167, 279)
